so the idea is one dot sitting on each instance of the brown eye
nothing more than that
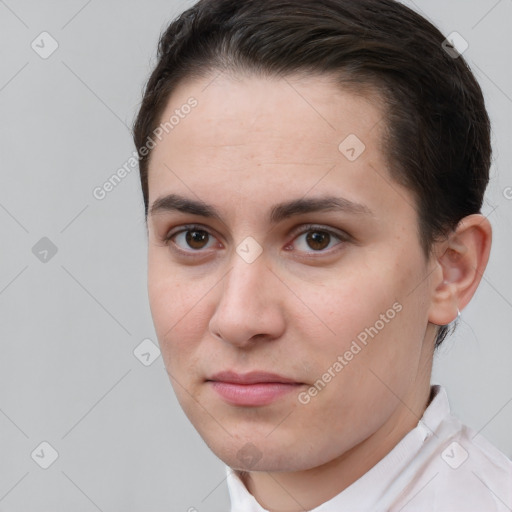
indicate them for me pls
(318, 240)
(190, 239)
(196, 239)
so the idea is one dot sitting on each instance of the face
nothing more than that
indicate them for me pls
(301, 260)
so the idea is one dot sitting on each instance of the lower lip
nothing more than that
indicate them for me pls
(262, 393)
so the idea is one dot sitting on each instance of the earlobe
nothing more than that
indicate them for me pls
(462, 261)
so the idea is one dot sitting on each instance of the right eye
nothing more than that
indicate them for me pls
(190, 239)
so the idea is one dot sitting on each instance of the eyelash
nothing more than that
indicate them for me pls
(167, 240)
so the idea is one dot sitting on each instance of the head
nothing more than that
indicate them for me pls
(313, 189)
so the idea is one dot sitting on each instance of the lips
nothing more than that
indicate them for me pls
(255, 388)
(254, 377)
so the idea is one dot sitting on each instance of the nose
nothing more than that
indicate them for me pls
(249, 305)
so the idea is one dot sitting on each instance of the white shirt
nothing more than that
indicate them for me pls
(439, 466)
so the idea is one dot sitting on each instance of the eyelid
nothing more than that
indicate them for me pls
(304, 228)
(186, 227)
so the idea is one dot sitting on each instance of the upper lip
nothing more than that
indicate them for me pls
(250, 378)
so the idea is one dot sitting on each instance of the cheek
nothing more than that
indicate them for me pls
(177, 308)
(378, 354)
(355, 302)
(372, 317)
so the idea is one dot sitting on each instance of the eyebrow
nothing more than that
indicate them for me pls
(278, 213)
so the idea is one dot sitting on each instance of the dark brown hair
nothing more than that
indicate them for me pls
(437, 136)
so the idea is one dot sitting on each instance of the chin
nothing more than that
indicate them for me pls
(259, 453)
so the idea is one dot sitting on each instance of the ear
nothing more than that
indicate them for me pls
(461, 261)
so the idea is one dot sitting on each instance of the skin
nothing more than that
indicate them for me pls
(251, 143)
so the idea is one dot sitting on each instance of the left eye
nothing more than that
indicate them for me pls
(316, 240)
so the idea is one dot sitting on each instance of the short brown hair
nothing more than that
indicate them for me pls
(437, 127)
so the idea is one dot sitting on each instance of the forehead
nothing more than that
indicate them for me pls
(248, 110)
(256, 139)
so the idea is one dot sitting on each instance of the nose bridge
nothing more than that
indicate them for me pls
(247, 305)
(245, 284)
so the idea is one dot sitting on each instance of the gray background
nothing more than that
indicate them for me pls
(69, 325)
